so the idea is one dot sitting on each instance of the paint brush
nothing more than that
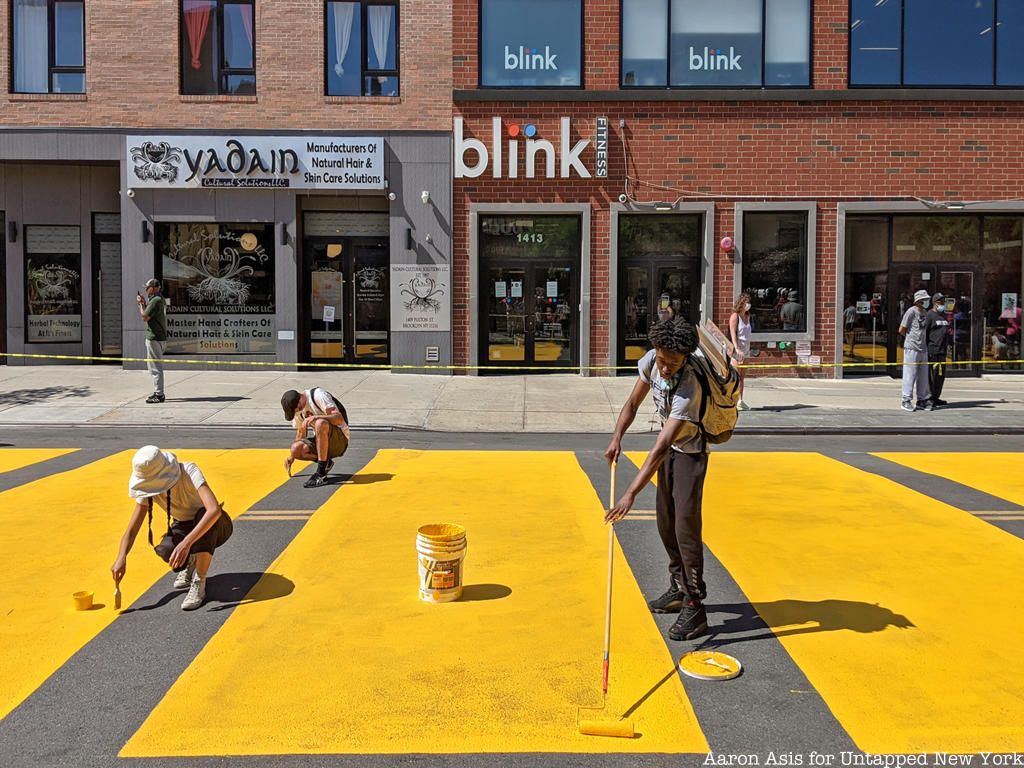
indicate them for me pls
(117, 595)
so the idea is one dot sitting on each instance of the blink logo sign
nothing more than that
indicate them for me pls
(715, 60)
(524, 58)
(503, 154)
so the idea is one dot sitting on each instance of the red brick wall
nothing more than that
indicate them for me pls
(132, 66)
(820, 152)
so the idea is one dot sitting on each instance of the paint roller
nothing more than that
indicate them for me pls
(621, 728)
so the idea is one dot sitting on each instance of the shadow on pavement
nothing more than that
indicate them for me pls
(650, 692)
(789, 616)
(42, 395)
(479, 592)
(215, 399)
(955, 404)
(234, 589)
(779, 408)
(364, 479)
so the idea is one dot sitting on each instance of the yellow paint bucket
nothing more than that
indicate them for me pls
(83, 600)
(440, 552)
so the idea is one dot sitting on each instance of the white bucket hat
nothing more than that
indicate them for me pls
(153, 472)
(921, 296)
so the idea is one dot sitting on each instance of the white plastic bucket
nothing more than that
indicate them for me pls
(440, 552)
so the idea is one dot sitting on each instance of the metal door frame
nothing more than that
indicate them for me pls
(97, 325)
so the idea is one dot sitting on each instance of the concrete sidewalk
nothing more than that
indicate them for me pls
(105, 395)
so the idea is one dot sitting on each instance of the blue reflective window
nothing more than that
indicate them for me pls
(948, 42)
(362, 48)
(531, 43)
(48, 46)
(1010, 43)
(875, 33)
(716, 43)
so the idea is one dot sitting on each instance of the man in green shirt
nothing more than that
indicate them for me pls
(153, 310)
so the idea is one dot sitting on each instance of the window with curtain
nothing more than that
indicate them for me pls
(48, 46)
(720, 44)
(218, 47)
(937, 43)
(361, 48)
(531, 43)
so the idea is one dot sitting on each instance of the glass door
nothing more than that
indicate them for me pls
(325, 273)
(959, 285)
(369, 308)
(106, 265)
(529, 318)
(651, 290)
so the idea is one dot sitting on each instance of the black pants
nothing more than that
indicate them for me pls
(680, 495)
(936, 375)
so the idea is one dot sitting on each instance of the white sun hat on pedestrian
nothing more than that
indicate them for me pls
(921, 296)
(153, 472)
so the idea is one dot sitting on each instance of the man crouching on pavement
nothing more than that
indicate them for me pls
(196, 523)
(680, 458)
(317, 410)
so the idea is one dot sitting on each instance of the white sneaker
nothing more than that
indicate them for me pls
(742, 406)
(196, 594)
(184, 578)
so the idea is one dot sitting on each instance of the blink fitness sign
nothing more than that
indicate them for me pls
(512, 140)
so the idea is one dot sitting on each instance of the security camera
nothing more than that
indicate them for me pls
(130, 193)
(623, 198)
(392, 196)
(425, 196)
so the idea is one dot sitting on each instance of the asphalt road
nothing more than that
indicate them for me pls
(84, 713)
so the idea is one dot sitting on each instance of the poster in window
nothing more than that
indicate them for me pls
(53, 285)
(219, 284)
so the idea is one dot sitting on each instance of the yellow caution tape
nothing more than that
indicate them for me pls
(466, 367)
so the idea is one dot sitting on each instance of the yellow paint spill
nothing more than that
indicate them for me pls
(17, 458)
(59, 535)
(997, 474)
(352, 662)
(885, 598)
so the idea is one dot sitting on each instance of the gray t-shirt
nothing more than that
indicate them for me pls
(685, 403)
(913, 321)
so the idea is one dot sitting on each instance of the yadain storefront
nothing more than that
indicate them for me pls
(322, 249)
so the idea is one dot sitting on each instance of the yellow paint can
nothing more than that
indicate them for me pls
(441, 550)
(83, 600)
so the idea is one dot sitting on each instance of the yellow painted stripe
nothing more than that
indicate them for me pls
(261, 518)
(897, 607)
(16, 458)
(997, 474)
(60, 535)
(352, 662)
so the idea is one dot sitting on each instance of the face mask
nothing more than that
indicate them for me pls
(746, 307)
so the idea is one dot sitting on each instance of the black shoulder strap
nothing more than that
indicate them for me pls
(337, 403)
(149, 531)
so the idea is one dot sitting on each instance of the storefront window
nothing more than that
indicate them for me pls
(1003, 250)
(774, 270)
(219, 283)
(49, 46)
(865, 308)
(936, 238)
(53, 285)
(724, 44)
(936, 43)
(531, 43)
(362, 48)
(218, 49)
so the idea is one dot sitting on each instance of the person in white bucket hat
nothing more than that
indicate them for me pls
(196, 523)
(915, 354)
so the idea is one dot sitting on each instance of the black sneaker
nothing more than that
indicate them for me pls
(928, 407)
(670, 602)
(330, 466)
(692, 622)
(155, 398)
(939, 403)
(315, 481)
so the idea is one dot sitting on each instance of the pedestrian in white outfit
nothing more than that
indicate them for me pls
(915, 353)
(739, 333)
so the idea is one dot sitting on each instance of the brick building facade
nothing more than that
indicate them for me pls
(83, 230)
(888, 189)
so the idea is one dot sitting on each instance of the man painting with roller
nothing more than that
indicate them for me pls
(680, 458)
(319, 411)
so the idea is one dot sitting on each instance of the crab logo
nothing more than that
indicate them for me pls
(156, 162)
(421, 291)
